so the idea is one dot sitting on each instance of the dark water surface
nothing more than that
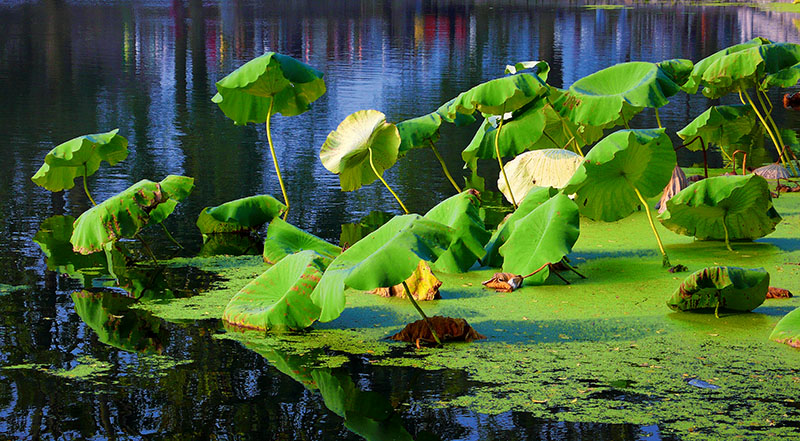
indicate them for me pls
(148, 67)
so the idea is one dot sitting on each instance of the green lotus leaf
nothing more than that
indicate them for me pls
(79, 156)
(519, 133)
(742, 205)
(245, 94)
(231, 244)
(623, 161)
(752, 144)
(132, 330)
(347, 149)
(385, 258)
(459, 120)
(545, 235)
(461, 213)
(677, 69)
(418, 132)
(539, 168)
(746, 68)
(284, 239)
(240, 215)
(558, 131)
(535, 197)
(721, 286)
(280, 297)
(722, 125)
(496, 97)
(600, 98)
(787, 330)
(178, 188)
(353, 232)
(695, 78)
(541, 68)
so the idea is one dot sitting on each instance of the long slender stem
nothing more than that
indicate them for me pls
(444, 166)
(766, 126)
(500, 161)
(275, 159)
(725, 227)
(146, 247)
(665, 260)
(375, 170)
(766, 98)
(169, 235)
(537, 270)
(566, 128)
(86, 187)
(424, 317)
(705, 156)
(571, 268)
(775, 128)
(624, 122)
(658, 120)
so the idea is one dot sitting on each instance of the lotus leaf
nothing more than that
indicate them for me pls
(721, 287)
(722, 125)
(461, 213)
(775, 63)
(695, 78)
(560, 132)
(279, 298)
(418, 132)
(541, 68)
(676, 183)
(545, 236)
(460, 119)
(496, 97)
(384, 258)
(788, 329)
(422, 284)
(353, 232)
(284, 239)
(723, 208)
(126, 213)
(519, 133)
(448, 328)
(677, 69)
(53, 238)
(231, 244)
(246, 214)
(539, 168)
(79, 156)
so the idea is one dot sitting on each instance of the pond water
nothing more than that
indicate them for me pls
(148, 68)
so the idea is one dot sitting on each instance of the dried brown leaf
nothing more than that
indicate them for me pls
(422, 283)
(447, 328)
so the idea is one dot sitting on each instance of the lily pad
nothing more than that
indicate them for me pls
(240, 215)
(721, 286)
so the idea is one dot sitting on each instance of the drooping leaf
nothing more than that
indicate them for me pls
(731, 288)
(126, 213)
(279, 298)
(519, 133)
(721, 125)
(695, 78)
(677, 69)
(447, 328)
(69, 160)
(461, 213)
(418, 132)
(787, 330)
(422, 284)
(385, 258)
(539, 168)
(459, 120)
(347, 149)
(53, 238)
(623, 161)
(177, 188)
(284, 239)
(540, 68)
(240, 215)
(496, 97)
(246, 93)
(775, 63)
(545, 236)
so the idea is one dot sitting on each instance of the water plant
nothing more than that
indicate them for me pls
(461, 213)
(787, 330)
(540, 168)
(284, 239)
(723, 287)
(423, 131)
(266, 85)
(240, 215)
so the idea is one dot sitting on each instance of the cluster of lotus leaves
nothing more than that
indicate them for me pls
(240, 215)
(755, 65)
(288, 85)
(496, 97)
(725, 287)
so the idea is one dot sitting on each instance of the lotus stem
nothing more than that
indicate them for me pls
(775, 128)
(625, 123)
(571, 268)
(725, 228)
(561, 277)
(444, 166)
(766, 98)
(419, 310)
(375, 170)
(744, 161)
(500, 161)
(716, 309)
(169, 235)
(766, 126)
(86, 187)
(566, 128)
(536, 271)
(658, 120)
(146, 247)
(705, 155)
(665, 260)
(275, 159)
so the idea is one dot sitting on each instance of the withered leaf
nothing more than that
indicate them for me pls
(504, 282)
(778, 293)
(422, 283)
(447, 328)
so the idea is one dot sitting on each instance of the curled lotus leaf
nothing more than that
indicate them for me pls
(520, 132)
(541, 68)
(676, 183)
(721, 125)
(461, 213)
(245, 95)
(447, 328)
(700, 68)
(776, 63)
(240, 215)
(280, 297)
(787, 330)
(418, 132)
(459, 120)
(362, 137)
(126, 213)
(539, 168)
(77, 156)
(422, 284)
(496, 97)
(679, 70)
(284, 239)
(725, 287)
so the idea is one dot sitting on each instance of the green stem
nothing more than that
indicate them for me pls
(625, 123)
(500, 161)
(424, 317)
(444, 166)
(169, 236)
(375, 170)
(85, 187)
(665, 260)
(275, 159)
(725, 227)
(764, 123)
(146, 247)
(658, 120)
(572, 268)
(555, 144)
(774, 127)
(766, 98)
(565, 126)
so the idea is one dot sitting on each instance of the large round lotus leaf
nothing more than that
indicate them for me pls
(284, 239)
(746, 68)
(246, 93)
(544, 236)
(539, 168)
(384, 258)
(418, 132)
(599, 98)
(132, 330)
(677, 69)
(244, 214)
(461, 213)
(125, 214)
(722, 125)
(280, 297)
(69, 160)
(788, 329)
(604, 183)
(730, 288)
(519, 133)
(541, 68)
(695, 78)
(742, 203)
(346, 151)
(534, 198)
(496, 97)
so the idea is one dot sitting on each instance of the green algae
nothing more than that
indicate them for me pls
(86, 368)
(8, 289)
